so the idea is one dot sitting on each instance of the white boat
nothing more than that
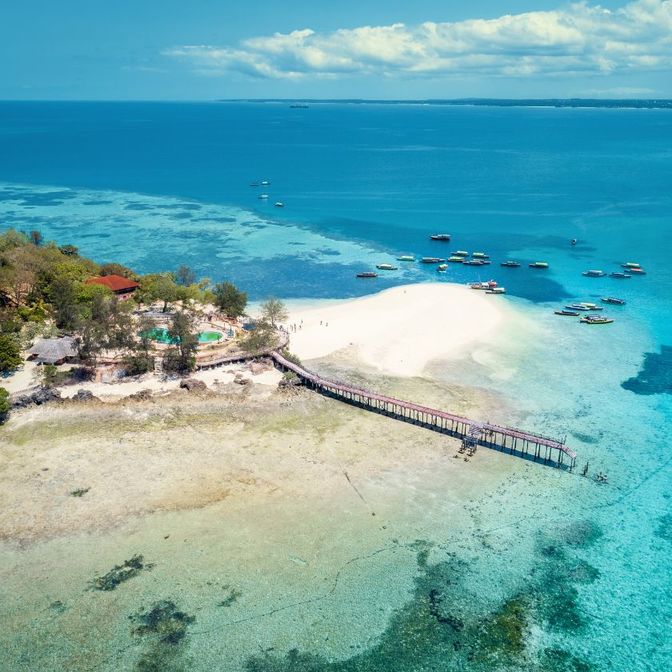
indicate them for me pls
(263, 197)
(279, 204)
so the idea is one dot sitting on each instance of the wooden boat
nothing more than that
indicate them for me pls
(539, 264)
(487, 286)
(279, 204)
(367, 274)
(496, 290)
(637, 271)
(613, 300)
(596, 319)
(386, 267)
(583, 306)
(263, 197)
(510, 264)
(474, 262)
(431, 260)
(480, 255)
(620, 276)
(442, 268)
(594, 274)
(264, 183)
(456, 260)
(406, 257)
(630, 264)
(443, 237)
(567, 313)
(461, 253)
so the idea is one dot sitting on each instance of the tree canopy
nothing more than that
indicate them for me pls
(229, 299)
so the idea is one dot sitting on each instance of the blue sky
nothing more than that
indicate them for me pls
(207, 49)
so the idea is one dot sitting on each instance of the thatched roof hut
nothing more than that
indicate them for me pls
(53, 350)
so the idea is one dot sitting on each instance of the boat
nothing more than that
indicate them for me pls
(461, 253)
(573, 241)
(474, 262)
(367, 274)
(263, 197)
(299, 106)
(490, 285)
(594, 274)
(444, 237)
(637, 271)
(539, 264)
(596, 319)
(620, 276)
(386, 267)
(630, 264)
(406, 257)
(583, 306)
(510, 264)
(496, 290)
(567, 313)
(442, 268)
(480, 255)
(279, 204)
(264, 183)
(431, 260)
(613, 300)
(456, 260)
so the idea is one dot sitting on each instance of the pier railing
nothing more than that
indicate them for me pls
(509, 439)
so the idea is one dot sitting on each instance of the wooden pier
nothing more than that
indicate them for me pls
(514, 441)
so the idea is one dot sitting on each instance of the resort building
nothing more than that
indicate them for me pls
(53, 350)
(122, 287)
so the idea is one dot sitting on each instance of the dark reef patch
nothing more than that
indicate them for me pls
(655, 376)
(664, 529)
(120, 573)
(164, 629)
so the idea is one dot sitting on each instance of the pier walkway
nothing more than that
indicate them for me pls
(472, 433)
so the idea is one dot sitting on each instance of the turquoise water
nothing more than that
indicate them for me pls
(363, 184)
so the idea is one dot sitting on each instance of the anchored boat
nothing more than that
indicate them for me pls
(620, 276)
(510, 264)
(461, 253)
(539, 264)
(583, 306)
(456, 260)
(443, 237)
(367, 274)
(431, 260)
(613, 300)
(386, 267)
(441, 268)
(567, 313)
(496, 290)
(594, 274)
(406, 257)
(596, 319)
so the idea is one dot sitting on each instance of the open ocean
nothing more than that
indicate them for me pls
(156, 185)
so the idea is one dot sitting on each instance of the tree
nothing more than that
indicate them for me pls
(229, 299)
(5, 405)
(261, 337)
(10, 353)
(64, 302)
(69, 250)
(185, 276)
(36, 238)
(117, 269)
(162, 287)
(181, 358)
(49, 375)
(274, 311)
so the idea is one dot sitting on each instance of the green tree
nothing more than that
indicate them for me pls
(118, 269)
(229, 299)
(161, 287)
(63, 292)
(260, 338)
(49, 374)
(5, 405)
(274, 311)
(36, 238)
(181, 358)
(185, 276)
(10, 353)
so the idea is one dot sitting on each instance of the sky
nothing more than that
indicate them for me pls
(386, 49)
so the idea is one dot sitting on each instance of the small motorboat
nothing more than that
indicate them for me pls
(279, 204)
(539, 264)
(596, 319)
(386, 267)
(432, 260)
(264, 183)
(567, 313)
(443, 237)
(510, 264)
(486, 286)
(496, 290)
(594, 274)
(637, 271)
(573, 241)
(441, 268)
(480, 255)
(617, 275)
(613, 301)
(474, 262)
(456, 260)
(263, 197)
(406, 257)
(630, 264)
(583, 306)
(461, 253)
(367, 274)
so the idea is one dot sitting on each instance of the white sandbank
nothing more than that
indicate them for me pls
(400, 330)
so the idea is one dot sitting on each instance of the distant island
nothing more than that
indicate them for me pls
(608, 103)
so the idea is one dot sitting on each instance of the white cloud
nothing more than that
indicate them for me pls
(579, 39)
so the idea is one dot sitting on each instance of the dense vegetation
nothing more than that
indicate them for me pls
(43, 292)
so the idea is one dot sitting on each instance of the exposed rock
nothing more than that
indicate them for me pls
(84, 395)
(142, 395)
(193, 385)
(240, 379)
(260, 366)
(42, 396)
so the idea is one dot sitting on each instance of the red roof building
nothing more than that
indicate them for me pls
(122, 287)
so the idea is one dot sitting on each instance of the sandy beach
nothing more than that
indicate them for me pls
(401, 330)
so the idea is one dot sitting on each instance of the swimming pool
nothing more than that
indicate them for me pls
(161, 335)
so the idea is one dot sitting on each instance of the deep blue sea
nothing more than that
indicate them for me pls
(158, 185)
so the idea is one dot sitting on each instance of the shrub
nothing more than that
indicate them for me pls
(5, 405)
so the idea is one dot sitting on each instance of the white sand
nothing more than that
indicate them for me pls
(400, 330)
